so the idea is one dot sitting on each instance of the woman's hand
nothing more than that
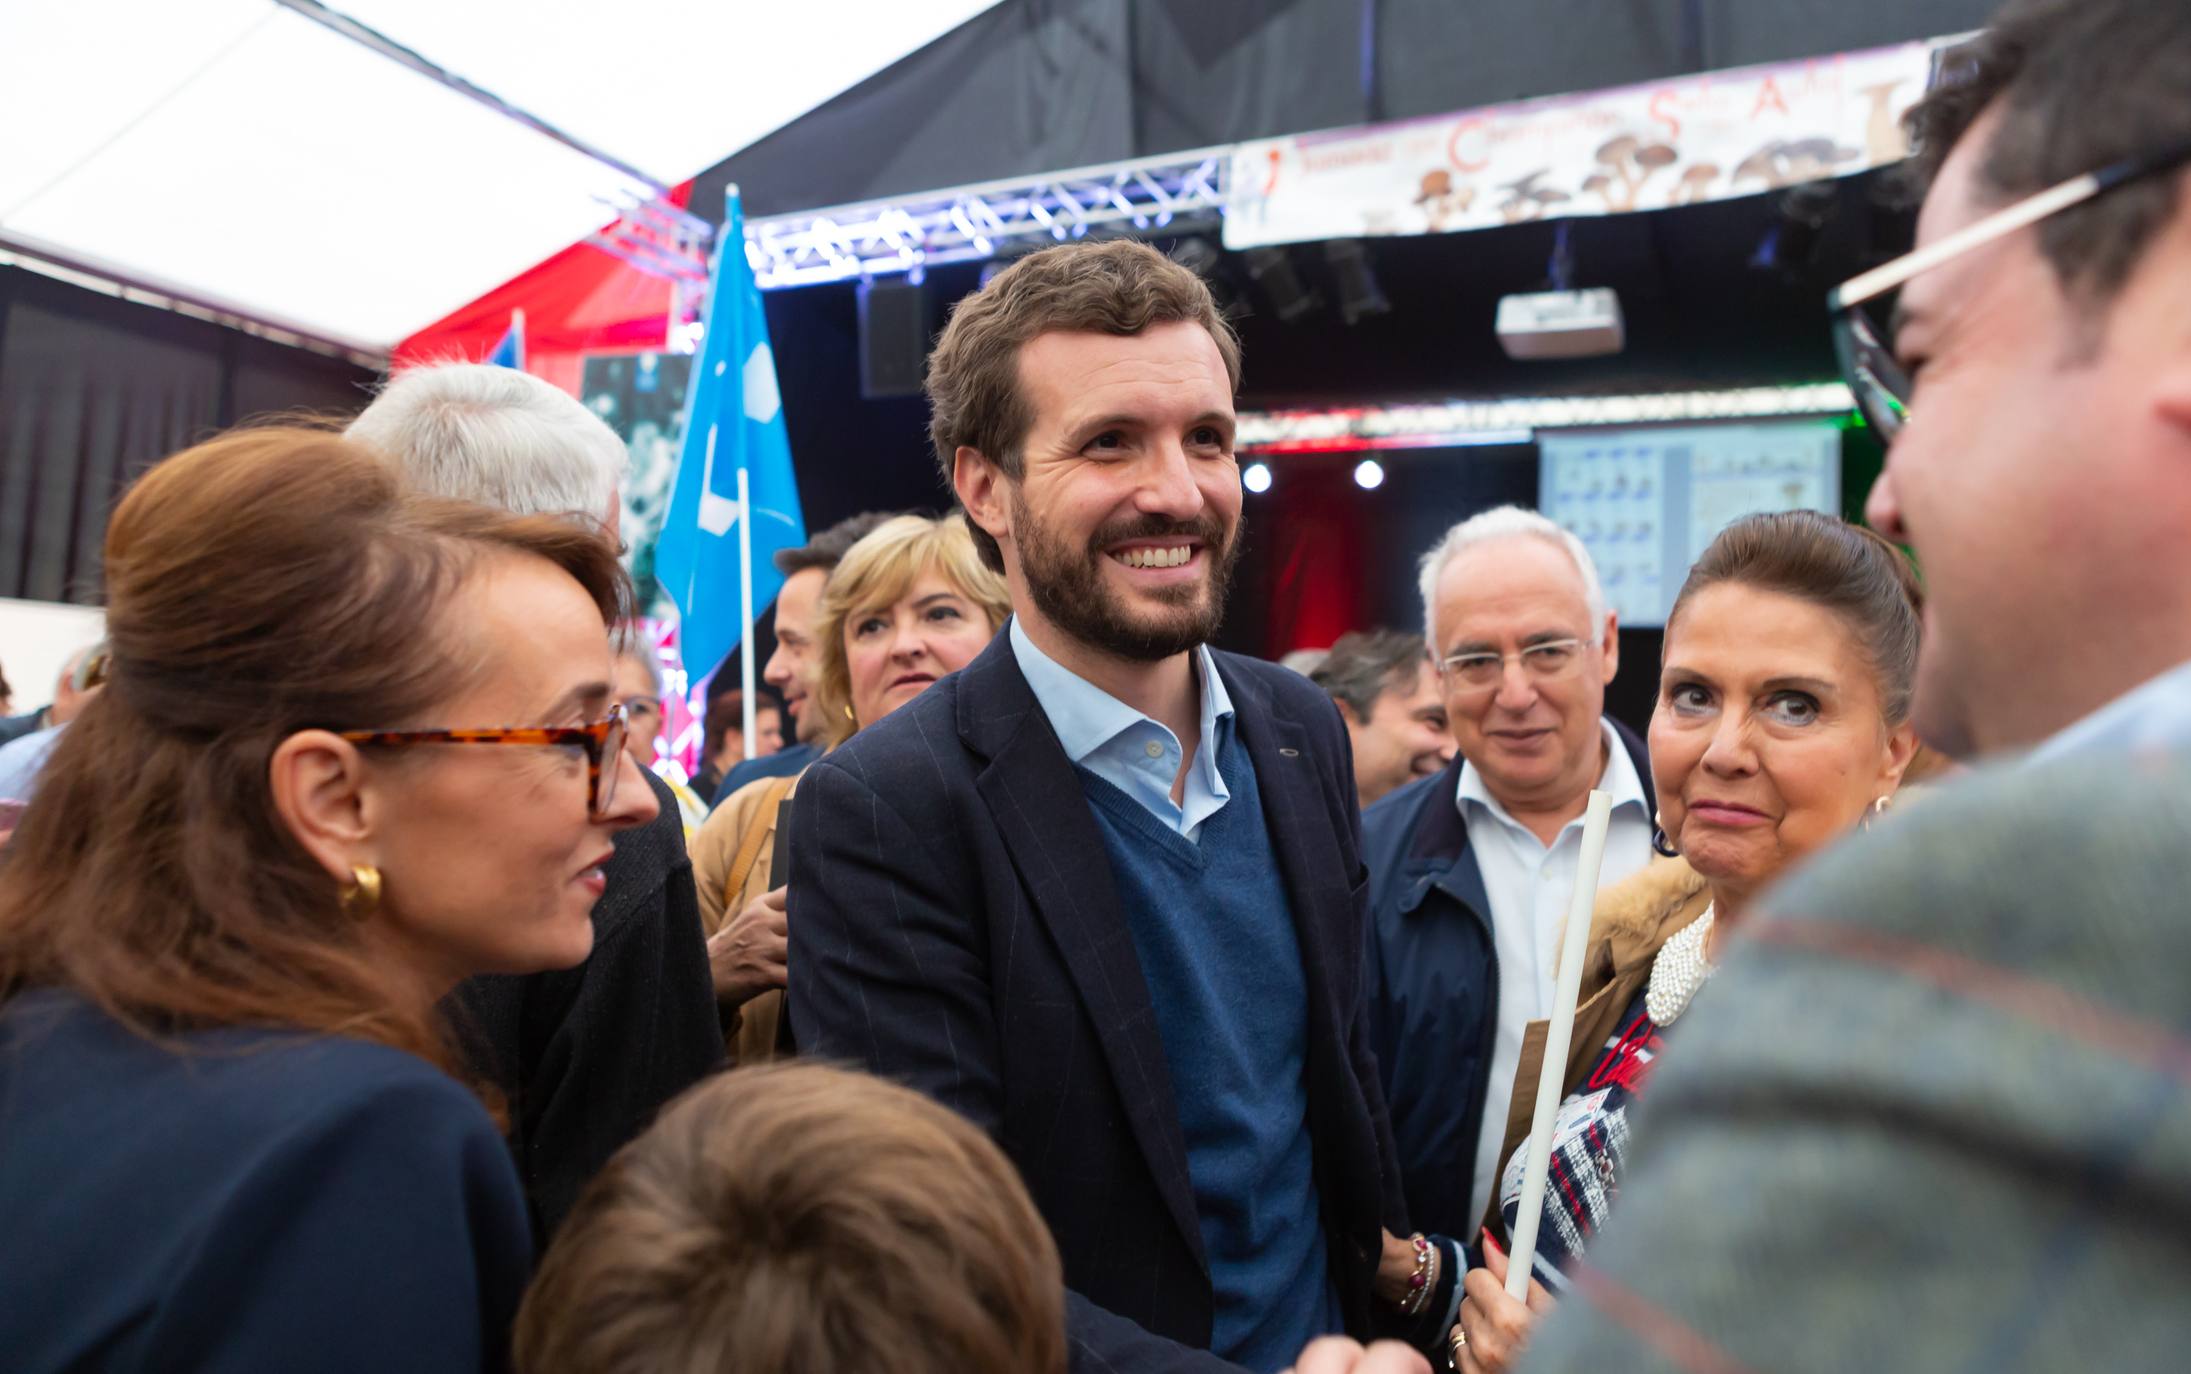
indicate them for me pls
(1395, 1266)
(1338, 1355)
(1497, 1327)
(751, 954)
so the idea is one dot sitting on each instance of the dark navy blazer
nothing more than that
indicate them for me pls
(1432, 972)
(955, 926)
(244, 1200)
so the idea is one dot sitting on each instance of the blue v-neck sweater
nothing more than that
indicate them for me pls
(1214, 932)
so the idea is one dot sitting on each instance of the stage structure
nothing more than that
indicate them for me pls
(1681, 141)
(1516, 420)
(1180, 192)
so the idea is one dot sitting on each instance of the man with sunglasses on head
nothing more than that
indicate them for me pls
(1982, 1160)
(1471, 867)
(585, 1056)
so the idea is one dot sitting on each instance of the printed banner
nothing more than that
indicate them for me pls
(1687, 141)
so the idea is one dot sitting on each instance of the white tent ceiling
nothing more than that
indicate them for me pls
(240, 153)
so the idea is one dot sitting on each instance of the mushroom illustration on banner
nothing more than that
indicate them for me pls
(1695, 185)
(1441, 201)
(1783, 162)
(1526, 200)
(1629, 162)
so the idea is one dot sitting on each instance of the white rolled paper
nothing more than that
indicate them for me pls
(1522, 1257)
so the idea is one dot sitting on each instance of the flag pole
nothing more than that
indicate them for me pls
(1521, 1256)
(745, 604)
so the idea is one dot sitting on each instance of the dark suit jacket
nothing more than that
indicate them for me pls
(1432, 982)
(588, 1055)
(955, 926)
(1933, 1114)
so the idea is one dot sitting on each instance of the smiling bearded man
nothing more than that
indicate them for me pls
(1097, 891)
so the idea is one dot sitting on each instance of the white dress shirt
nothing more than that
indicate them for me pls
(1529, 884)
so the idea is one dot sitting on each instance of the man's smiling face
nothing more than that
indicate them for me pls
(1123, 526)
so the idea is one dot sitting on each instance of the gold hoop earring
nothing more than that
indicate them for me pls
(361, 898)
(849, 716)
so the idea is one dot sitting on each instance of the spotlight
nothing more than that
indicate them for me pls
(1256, 477)
(1273, 271)
(1791, 243)
(1359, 294)
(1369, 474)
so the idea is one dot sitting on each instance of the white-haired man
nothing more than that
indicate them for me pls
(586, 1055)
(1470, 868)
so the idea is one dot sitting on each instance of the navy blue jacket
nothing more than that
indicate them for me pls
(245, 1200)
(955, 926)
(1432, 982)
(782, 764)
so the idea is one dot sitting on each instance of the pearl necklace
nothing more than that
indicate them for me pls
(1678, 971)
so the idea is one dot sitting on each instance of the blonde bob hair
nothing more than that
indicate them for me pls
(875, 573)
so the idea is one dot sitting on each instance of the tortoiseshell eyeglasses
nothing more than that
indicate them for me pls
(603, 741)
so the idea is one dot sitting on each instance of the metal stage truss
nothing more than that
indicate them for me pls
(905, 234)
(663, 241)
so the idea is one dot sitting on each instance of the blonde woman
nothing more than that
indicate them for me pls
(910, 603)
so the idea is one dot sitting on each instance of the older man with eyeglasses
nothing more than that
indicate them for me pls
(1470, 868)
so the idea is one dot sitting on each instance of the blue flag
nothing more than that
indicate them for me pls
(509, 351)
(734, 422)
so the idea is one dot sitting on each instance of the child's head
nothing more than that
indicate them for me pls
(799, 1218)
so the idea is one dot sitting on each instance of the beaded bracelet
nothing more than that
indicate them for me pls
(1424, 1279)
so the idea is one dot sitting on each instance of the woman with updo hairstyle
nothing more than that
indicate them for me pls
(1782, 724)
(355, 746)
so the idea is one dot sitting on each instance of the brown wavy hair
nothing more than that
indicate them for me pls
(266, 582)
(799, 1217)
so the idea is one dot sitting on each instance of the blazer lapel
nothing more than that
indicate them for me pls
(1035, 798)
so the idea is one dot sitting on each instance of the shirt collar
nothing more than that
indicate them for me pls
(2154, 715)
(1619, 781)
(1086, 717)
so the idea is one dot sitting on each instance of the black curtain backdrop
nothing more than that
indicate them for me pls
(93, 390)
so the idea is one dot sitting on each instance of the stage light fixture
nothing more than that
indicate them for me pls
(1369, 474)
(1359, 294)
(1256, 477)
(1273, 271)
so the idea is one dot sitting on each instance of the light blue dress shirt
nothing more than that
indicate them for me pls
(2155, 716)
(21, 760)
(1135, 754)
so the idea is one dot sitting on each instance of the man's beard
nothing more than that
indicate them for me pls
(1068, 588)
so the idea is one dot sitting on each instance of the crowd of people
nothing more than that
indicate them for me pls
(1066, 993)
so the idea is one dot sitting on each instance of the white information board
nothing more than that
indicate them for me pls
(1647, 502)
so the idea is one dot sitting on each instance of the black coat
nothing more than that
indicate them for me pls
(1433, 986)
(955, 926)
(588, 1055)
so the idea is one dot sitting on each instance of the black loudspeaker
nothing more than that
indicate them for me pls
(893, 339)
